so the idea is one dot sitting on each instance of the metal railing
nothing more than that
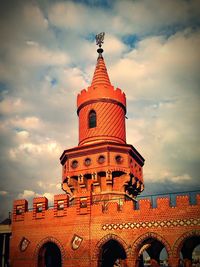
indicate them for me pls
(172, 197)
(153, 198)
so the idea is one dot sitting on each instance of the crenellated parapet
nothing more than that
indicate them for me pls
(182, 213)
(102, 93)
(61, 203)
(40, 205)
(20, 206)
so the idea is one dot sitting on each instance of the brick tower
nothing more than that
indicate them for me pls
(102, 164)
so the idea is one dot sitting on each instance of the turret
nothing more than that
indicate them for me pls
(101, 109)
(102, 165)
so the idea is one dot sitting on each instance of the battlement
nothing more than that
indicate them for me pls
(83, 205)
(101, 93)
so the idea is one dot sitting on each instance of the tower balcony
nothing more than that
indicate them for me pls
(103, 168)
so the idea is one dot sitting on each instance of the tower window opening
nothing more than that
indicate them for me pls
(87, 161)
(101, 159)
(19, 210)
(74, 164)
(119, 159)
(92, 119)
(61, 205)
(83, 202)
(39, 207)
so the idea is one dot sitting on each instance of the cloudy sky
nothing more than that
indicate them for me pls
(48, 54)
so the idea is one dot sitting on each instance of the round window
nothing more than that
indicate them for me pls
(101, 159)
(119, 159)
(74, 164)
(87, 161)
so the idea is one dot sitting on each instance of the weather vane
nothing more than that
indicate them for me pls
(100, 38)
(99, 41)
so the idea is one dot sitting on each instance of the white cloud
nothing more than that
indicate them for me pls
(41, 184)
(49, 196)
(150, 16)
(11, 105)
(26, 123)
(114, 46)
(31, 151)
(159, 66)
(33, 16)
(58, 186)
(39, 56)
(3, 193)
(181, 178)
(68, 15)
(23, 135)
(27, 194)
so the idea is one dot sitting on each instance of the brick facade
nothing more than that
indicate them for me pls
(97, 222)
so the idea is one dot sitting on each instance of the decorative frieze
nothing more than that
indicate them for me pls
(152, 224)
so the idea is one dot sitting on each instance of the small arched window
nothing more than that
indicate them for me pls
(92, 119)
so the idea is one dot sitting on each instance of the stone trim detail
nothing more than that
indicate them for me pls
(178, 244)
(42, 242)
(107, 238)
(152, 224)
(138, 242)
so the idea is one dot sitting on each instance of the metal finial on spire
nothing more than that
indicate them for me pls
(99, 41)
(100, 38)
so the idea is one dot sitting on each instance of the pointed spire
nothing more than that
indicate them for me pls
(100, 74)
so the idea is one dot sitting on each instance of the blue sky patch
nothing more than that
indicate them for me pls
(131, 40)
(54, 82)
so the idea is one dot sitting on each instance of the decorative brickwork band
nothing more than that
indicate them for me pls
(152, 224)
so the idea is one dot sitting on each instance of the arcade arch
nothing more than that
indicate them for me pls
(153, 246)
(112, 254)
(111, 251)
(186, 245)
(49, 253)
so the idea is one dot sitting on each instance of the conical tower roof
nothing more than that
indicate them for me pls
(100, 74)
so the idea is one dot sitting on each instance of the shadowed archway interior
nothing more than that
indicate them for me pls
(111, 254)
(188, 246)
(49, 255)
(153, 248)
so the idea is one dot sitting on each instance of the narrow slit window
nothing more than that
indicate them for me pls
(92, 119)
(39, 208)
(83, 202)
(61, 205)
(19, 210)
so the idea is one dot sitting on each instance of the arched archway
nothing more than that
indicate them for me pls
(49, 255)
(151, 248)
(39, 250)
(101, 245)
(185, 246)
(112, 254)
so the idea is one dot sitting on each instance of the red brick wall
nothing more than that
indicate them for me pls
(123, 223)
